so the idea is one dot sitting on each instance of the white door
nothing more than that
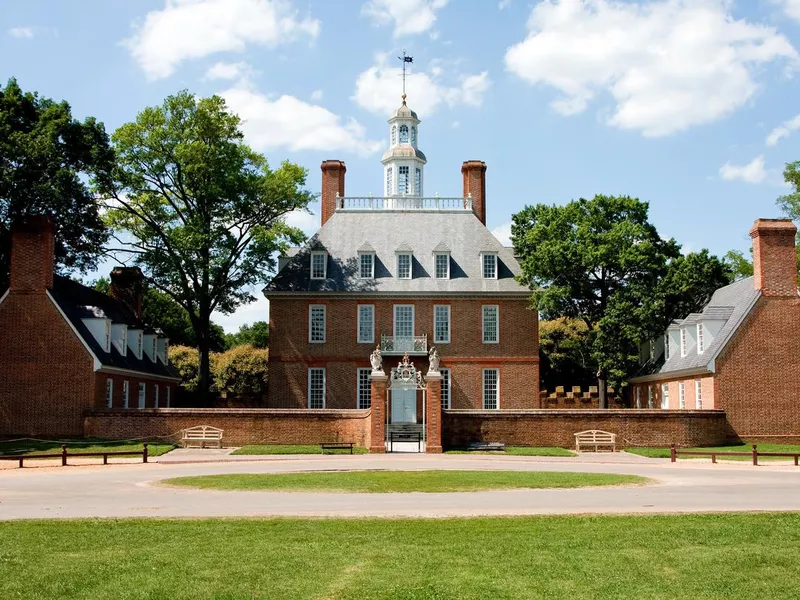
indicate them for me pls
(404, 320)
(404, 405)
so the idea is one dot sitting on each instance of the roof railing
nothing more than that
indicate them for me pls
(435, 203)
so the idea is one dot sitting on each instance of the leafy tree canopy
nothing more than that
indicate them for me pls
(46, 159)
(256, 335)
(242, 370)
(205, 213)
(738, 264)
(565, 353)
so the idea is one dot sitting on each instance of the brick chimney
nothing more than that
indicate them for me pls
(474, 173)
(32, 254)
(332, 182)
(127, 286)
(774, 258)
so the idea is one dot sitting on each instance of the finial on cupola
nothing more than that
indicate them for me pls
(406, 59)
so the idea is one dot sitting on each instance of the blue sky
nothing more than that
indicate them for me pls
(691, 105)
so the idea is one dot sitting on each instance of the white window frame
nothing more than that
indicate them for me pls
(311, 308)
(638, 397)
(361, 257)
(496, 339)
(311, 371)
(698, 394)
(109, 393)
(142, 394)
(664, 395)
(410, 265)
(316, 255)
(394, 319)
(108, 335)
(446, 397)
(418, 181)
(436, 310)
(497, 388)
(404, 178)
(436, 257)
(371, 311)
(363, 389)
(126, 394)
(484, 256)
(389, 181)
(700, 341)
(683, 341)
(649, 396)
(682, 395)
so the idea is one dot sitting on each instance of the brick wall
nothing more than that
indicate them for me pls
(473, 173)
(333, 172)
(656, 428)
(241, 426)
(774, 258)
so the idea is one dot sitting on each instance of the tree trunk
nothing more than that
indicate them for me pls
(601, 389)
(203, 330)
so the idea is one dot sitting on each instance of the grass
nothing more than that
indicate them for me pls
(33, 447)
(403, 481)
(744, 447)
(296, 449)
(519, 451)
(702, 557)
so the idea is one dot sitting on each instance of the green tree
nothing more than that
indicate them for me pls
(738, 264)
(46, 159)
(565, 353)
(256, 335)
(603, 262)
(205, 213)
(242, 370)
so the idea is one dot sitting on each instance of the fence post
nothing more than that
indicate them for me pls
(672, 454)
(21, 459)
(713, 458)
(63, 455)
(144, 453)
(755, 455)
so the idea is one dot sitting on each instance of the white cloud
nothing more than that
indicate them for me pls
(503, 233)
(503, 4)
(247, 314)
(409, 17)
(785, 129)
(667, 64)
(307, 222)
(288, 122)
(21, 32)
(752, 172)
(790, 7)
(316, 95)
(229, 70)
(192, 29)
(378, 88)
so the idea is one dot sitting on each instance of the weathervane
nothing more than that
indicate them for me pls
(405, 59)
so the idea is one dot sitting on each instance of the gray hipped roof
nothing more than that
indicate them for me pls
(421, 233)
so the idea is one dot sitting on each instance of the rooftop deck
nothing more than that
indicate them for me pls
(404, 203)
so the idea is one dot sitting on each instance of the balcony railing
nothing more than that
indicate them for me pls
(391, 344)
(403, 203)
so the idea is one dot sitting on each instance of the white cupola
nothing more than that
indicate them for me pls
(403, 162)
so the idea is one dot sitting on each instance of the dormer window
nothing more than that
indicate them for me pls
(700, 344)
(404, 265)
(489, 265)
(108, 336)
(683, 341)
(441, 265)
(140, 345)
(119, 337)
(403, 134)
(319, 265)
(366, 265)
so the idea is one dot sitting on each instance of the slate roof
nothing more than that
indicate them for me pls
(732, 304)
(78, 302)
(387, 231)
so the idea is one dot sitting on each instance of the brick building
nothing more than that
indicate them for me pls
(67, 348)
(403, 273)
(742, 352)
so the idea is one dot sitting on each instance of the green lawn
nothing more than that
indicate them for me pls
(745, 447)
(81, 445)
(519, 451)
(702, 557)
(403, 481)
(296, 449)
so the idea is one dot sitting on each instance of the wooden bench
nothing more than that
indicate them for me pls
(484, 446)
(596, 438)
(336, 446)
(201, 434)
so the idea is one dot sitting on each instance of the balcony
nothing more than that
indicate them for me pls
(403, 203)
(399, 345)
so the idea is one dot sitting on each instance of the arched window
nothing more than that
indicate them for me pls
(403, 134)
(413, 136)
(394, 134)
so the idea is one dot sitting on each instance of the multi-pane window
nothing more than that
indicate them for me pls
(666, 347)
(698, 393)
(638, 397)
(142, 394)
(649, 396)
(491, 389)
(418, 182)
(389, 182)
(366, 265)
(682, 395)
(404, 320)
(413, 136)
(316, 388)
(442, 265)
(366, 323)
(394, 134)
(403, 134)
(665, 396)
(441, 323)
(126, 393)
(404, 265)
(700, 343)
(109, 392)
(155, 395)
(683, 341)
(316, 323)
(491, 324)
(489, 266)
(445, 388)
(319, 264)
(364, 389)
(402, 180)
